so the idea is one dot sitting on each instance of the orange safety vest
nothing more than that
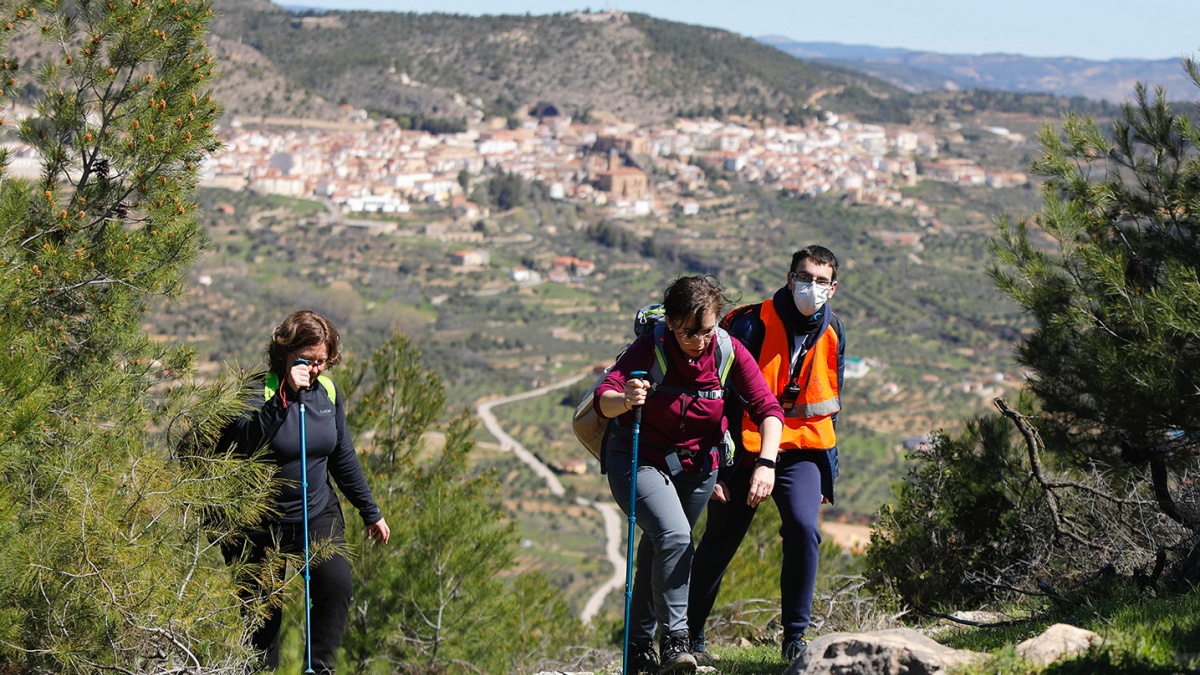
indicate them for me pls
(809, 424)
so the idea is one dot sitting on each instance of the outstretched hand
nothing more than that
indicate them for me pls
(379, 531)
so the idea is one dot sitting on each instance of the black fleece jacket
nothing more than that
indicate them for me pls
(275, 425)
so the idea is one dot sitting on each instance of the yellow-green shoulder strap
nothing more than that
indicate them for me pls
(271, 385)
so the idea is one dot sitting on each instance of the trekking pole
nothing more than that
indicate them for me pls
(304, 491)
(637, 429)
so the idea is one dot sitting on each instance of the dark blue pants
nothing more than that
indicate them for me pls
(329, 585)
(797, 494)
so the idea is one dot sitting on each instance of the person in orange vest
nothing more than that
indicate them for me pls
(799, 345)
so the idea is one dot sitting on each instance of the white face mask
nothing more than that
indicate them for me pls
(809, 297)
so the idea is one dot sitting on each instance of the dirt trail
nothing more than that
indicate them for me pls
(609, 515)
(850, 537)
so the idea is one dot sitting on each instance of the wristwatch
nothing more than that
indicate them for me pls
(763, 461)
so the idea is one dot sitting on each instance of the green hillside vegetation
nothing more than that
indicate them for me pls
(437, 71)
(436, 64)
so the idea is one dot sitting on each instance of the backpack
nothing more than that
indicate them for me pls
(593, 431)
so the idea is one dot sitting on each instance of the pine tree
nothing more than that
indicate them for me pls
(1110, 275)
(107, 560)
(1099, 484)
(442, 595)
(1117, 339)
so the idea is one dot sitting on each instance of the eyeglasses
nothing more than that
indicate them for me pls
(695, 334)
(313, 363)
(801, 278)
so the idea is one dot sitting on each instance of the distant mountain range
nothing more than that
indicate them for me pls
(916, 71)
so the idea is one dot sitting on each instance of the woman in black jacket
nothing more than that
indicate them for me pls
(301, 348)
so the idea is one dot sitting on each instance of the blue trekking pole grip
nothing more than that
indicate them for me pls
(304, 500)
(637, 429)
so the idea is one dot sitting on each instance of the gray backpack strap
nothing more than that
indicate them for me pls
(724, 355)
(658, 369)
(724, 365)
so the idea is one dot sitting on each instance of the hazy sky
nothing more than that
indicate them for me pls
(1094, 29)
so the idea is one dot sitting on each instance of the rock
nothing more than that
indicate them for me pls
(981, 617)
(886, 652)
(1058, 642)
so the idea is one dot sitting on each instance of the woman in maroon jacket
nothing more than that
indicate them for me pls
(680, 434)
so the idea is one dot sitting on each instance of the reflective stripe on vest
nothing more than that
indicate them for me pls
(808, 424)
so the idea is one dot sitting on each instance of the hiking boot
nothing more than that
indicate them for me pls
(642, 658)
(700, 652)
(676, 653)
(794, 646)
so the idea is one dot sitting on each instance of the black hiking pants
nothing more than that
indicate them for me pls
(329, 585)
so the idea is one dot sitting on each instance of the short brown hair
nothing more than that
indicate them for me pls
(818, 254)
(690, 298)
(299, 330)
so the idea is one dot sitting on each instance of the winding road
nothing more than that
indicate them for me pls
(612, 518)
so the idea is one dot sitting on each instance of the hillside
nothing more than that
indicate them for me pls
(459, 67)
(512, 258)
(924, 316)
(918, 71)
(250, 85)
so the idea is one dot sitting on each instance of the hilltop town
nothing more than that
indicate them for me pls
(629, 170)
(365, 165)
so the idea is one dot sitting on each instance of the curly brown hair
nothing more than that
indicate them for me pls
(299, 330)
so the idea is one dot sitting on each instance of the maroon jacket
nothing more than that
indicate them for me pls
(672, 421)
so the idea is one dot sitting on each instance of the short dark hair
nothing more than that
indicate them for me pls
(690, 298)
(819, 254)
(301, 329)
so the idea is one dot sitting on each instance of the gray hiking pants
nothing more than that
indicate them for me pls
(667, 510)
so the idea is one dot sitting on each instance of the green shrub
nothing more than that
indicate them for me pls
(958, 532)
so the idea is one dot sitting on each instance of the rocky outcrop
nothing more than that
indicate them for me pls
(1058, 642)
(903, 651)
(885, 652)
(908, 652)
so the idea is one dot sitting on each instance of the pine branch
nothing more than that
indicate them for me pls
(1033, 444)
